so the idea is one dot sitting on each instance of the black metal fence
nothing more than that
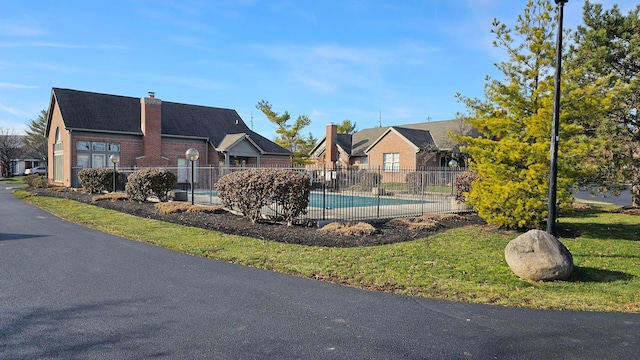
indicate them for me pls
(339, 194)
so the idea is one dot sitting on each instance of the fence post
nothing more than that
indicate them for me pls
(379, 179)
(422, 181)
(324, 190)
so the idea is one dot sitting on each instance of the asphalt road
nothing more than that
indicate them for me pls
(67, 292)
(622, 199)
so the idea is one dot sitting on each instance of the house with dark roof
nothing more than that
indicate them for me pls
(85, 128)
(16, 156)
(411, 146)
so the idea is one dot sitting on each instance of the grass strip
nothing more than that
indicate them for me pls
(463, 264)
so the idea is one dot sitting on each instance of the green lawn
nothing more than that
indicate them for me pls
(464, 264)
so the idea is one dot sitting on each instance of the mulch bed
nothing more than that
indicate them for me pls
(229, 223)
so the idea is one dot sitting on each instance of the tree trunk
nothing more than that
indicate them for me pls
(635, 188)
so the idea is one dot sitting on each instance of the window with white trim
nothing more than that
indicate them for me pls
(391, 162)
(95, 154)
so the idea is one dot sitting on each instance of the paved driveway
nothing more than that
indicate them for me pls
(68, 292)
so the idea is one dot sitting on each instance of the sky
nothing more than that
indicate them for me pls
(372, 62)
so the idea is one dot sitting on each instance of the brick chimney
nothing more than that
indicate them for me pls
(151, 124)
(331, 152)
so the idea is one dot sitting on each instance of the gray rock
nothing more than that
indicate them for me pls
(538, 256)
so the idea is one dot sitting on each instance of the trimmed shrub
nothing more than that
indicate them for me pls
(96, 180)
(415, 182)
(367, 180)
(250, 190)
(36, 181)
(463, 184)
(145, 183)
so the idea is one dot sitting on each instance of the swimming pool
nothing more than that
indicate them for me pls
(338, 201)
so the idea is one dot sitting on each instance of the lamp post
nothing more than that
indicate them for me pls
(115, 159)
(553, 169)
(193, 155)
(452, 164)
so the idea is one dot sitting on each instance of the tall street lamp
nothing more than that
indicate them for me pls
(115, 159)
(193, 155)
(553, 171)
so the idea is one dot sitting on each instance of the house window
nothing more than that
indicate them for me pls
(58, 158)
(391, 162)
(98, 146)
(95, 154)
(83, 145)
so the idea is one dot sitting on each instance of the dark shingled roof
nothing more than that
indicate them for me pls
(420, 138)
(421, 135)
(114, 113)
(101, 112)
(344, 141)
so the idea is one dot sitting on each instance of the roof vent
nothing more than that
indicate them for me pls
(152, 94)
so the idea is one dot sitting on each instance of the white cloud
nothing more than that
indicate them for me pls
(8, 29)
(11, 110)
(60, 45)
(4, 85)
(327, 68)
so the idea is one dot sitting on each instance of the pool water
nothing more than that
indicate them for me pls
(339, 201)
(336, 201)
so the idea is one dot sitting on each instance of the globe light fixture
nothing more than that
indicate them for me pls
(115, 159)
(192, 154)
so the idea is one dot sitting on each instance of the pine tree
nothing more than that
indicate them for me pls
(511, 156)
(347, 127)
(35, 137)
(608, 52)
(289, 136)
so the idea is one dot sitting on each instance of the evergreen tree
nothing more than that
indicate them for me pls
(35, 137)
(347, 127)
(288, 135)
(512, 154)
(607, 49)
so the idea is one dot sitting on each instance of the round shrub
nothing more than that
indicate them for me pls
(145, 183)
(96, 180)
(250, 190)
(463, 184)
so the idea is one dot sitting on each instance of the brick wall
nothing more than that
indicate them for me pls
(151, 124)
(392, 143)
(331, 152)
(174, 149)
(58, 125)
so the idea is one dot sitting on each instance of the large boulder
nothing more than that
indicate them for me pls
(538, 256)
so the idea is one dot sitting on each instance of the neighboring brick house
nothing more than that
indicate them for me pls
(85, 128)
(411, 146)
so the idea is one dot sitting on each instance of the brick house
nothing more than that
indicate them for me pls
(85, 128)
(411, 146)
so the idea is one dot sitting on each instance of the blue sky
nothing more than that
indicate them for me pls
(401, 61)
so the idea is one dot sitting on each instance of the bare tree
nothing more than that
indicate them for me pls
(10, 144)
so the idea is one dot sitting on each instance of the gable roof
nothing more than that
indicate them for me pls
(420, 135)
(90, 111)
(439, 131)
(231, 140)
(343, 141)
(418, 139)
